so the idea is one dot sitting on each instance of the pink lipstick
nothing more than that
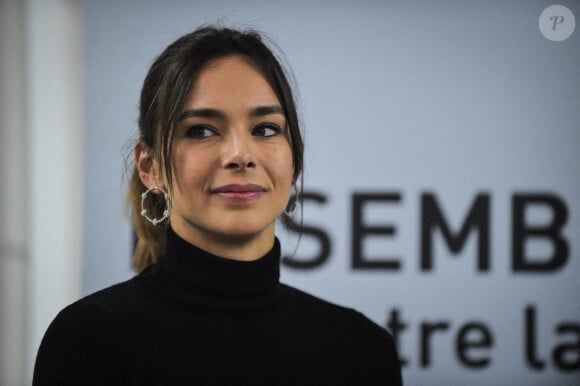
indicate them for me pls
(239, 192)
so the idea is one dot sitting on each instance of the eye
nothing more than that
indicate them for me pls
(200, 132)
(266, 130)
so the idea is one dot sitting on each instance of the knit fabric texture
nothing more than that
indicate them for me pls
(198, 319)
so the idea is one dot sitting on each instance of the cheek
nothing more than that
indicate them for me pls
(188, 167)
(178, 165)
(285, 167)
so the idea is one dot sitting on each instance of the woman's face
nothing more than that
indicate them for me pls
(232, 162)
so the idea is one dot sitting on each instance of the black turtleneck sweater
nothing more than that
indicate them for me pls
(198, 319)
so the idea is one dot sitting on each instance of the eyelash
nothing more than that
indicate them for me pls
(266, 126)
(194, 130)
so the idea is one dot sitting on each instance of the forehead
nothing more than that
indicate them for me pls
(230, 82)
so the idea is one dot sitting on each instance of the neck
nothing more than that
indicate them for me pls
(235, 247)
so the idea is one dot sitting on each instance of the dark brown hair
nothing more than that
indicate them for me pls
(163, 96)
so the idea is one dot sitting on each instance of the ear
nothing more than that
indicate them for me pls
(147, 165)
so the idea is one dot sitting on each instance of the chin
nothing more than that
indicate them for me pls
(242, 228)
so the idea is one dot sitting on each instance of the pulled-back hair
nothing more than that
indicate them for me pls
(164, 93)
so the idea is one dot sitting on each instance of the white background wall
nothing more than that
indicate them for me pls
(41, 167)
(454, 98)
(13, 177)
(450, 97)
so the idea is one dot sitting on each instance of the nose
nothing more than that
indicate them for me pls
(238, 151)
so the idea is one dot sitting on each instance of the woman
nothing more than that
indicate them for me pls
(219, 154)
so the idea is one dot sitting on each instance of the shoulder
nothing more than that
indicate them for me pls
(81, 343)
(373, 346)
(94, 314)
(91, 313)
(77, 343)
(117, 295)
(311, 306)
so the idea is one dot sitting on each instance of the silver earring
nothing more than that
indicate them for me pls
(293, 203)
(155, 221)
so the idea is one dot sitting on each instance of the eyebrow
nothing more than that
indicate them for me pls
(266, 110)
(215, 113)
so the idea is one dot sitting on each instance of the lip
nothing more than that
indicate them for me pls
(239, 192)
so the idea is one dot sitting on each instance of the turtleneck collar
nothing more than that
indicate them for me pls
(214, 274)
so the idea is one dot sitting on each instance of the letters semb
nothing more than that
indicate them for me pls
(473, 341)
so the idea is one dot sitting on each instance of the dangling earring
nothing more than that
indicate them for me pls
(293, 203)
(155, 221)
